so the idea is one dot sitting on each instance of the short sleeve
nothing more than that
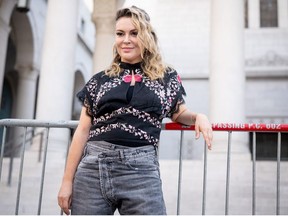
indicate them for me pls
(87, 94)
(175, 92)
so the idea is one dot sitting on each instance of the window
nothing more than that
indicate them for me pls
(246, 14)
(266, 146)
(268, 13)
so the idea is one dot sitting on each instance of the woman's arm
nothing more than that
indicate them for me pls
(75, 153)
(202, 124)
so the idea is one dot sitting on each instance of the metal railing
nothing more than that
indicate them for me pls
(15, 146)
(28, 124)
(229, 128)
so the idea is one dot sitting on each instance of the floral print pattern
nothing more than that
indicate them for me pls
(140, 120)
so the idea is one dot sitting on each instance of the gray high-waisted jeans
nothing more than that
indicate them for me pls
(111, 177)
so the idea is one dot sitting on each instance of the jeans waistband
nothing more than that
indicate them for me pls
(106, 149)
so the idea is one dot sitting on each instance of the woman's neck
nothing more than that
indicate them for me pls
(130, 66)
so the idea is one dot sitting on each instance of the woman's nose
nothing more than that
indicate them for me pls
(127, 39)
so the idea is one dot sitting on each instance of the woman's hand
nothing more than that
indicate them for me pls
(64, 197)
(203, 125)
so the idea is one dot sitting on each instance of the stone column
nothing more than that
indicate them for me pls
(104, 19)
(227, 77)
(282, 13)
(26, 92)
(55, 94)
(253, 13)
(25, 98)
(58, 61)
(4, 34)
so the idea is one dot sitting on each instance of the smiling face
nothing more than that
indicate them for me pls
(126, 41)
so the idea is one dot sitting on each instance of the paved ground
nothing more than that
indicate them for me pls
(240, 194)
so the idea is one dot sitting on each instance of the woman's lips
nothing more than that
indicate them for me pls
(127, 49)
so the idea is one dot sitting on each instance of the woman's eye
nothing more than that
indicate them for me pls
(134, 33)
(119, 34)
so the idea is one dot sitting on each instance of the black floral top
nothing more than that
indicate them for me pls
(131, 121)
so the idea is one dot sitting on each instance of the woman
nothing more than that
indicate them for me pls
(112, 162)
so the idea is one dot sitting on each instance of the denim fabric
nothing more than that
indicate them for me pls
(111, 177)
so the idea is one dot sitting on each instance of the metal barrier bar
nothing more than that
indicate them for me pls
(20, 173)
(245, 127)
(278, 173)
(254, 174)
(2, 149)
(204, 181)
(38, 123)
(43, 171)
(180, 173)
(10, 168)
(40, 148)
(228, 174)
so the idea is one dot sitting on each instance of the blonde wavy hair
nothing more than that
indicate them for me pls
(152, 63)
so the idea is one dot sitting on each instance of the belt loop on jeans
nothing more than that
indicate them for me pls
(156, 149)
(121, 153)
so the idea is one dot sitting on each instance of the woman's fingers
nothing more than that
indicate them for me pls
(64, 204)
(208, 136)
(197, 132)
(203, 125)
(64, 197)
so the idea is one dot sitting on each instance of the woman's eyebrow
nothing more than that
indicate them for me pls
(124, 30)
